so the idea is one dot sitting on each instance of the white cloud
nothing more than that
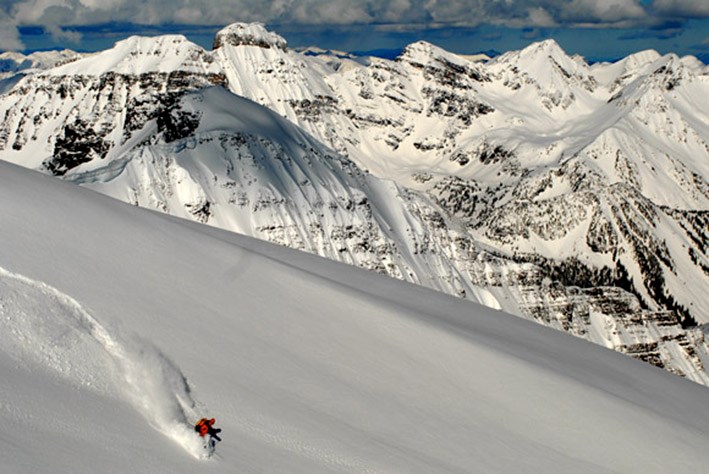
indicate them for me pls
(444, 11)
(102, 4)
(31, 11)
(188, 15)
(394, 10)
(330, 12)
(682, 8)
(539, 17)
(602, 11)
(9, 36)
(451, 12)
(61, 35)
(396, 13)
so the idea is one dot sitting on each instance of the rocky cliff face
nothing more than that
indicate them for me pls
(90, 109)
(535, 154)
(573, 195)
(241, 34)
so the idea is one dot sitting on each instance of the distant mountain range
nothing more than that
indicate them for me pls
(576, 195)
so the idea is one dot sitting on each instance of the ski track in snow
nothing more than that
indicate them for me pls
(40, 325)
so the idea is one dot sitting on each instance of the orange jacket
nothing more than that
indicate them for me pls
(203, 425)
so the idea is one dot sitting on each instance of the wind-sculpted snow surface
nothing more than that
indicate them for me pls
(48, 330)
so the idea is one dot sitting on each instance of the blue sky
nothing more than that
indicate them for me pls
(596, 29)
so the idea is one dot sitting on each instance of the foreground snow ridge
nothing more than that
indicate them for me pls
(310, 365)
(42, 323)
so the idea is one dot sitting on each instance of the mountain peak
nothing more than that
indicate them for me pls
(641, 58)
(548, 64)
(545, 50)
(249, 34)
(423, 52)
(141, 54)
(547, 45)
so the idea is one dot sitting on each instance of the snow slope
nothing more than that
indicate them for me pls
(118, 325)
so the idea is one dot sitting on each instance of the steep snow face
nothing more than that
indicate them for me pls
(613, 75)
(560, 81)
(229, 162)
(52, 332)
(577, 200)
(140, 55)
(423, 53)
(311, 366)
(275, 77)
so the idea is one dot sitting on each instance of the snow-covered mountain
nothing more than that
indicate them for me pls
(14, 66)
(576, 195)
(119, 327)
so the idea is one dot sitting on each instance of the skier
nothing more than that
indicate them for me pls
(204, 428)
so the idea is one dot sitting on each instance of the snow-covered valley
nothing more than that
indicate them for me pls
(570, 194)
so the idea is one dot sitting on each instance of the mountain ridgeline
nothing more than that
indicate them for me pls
(570, 194)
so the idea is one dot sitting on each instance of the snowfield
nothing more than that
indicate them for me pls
(119, 327)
